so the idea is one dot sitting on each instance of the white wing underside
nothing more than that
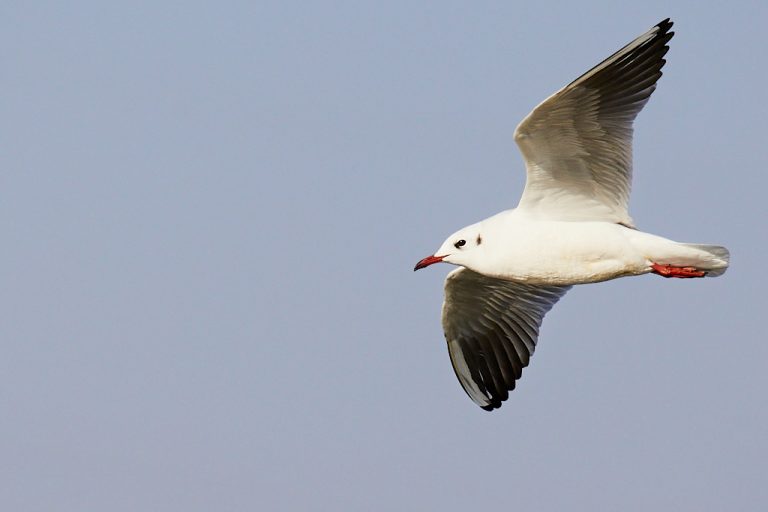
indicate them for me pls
(577, 144)
(491, 327)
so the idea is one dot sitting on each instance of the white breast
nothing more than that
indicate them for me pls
(535, 251)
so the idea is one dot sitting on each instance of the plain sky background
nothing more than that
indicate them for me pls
(210, 216)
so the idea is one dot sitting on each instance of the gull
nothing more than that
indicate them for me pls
(570, 227)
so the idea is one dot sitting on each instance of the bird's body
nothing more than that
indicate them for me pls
(518, 247)
(570, 227)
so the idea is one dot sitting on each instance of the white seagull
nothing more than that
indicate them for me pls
(570, 227)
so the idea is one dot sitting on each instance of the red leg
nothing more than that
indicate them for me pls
(670, 271)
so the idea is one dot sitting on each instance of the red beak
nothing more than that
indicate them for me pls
(428, 261)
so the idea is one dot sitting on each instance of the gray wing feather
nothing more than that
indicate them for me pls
(577, 143)
(491, 327)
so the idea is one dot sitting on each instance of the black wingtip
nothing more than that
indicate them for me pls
(664, 25)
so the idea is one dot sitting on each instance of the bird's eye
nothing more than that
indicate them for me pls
(460, 244)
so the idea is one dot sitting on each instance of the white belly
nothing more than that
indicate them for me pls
(560, 253)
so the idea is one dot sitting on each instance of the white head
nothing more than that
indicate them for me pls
(461, 248)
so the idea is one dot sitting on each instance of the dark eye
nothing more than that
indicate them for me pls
(460, 244)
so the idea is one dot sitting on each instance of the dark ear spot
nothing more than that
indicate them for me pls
(479, 240)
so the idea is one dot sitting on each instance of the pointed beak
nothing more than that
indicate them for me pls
(428, 261)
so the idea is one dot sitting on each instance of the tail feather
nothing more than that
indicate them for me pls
(716, 260)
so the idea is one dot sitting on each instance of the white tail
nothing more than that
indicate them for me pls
(715, 259)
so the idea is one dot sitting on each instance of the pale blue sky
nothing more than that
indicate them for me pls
(210, 215)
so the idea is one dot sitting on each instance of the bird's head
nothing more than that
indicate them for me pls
(461, 248)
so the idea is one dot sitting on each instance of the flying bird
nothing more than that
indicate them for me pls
(570, 227)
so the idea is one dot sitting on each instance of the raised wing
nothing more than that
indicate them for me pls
(577, 144)
(491, 326)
